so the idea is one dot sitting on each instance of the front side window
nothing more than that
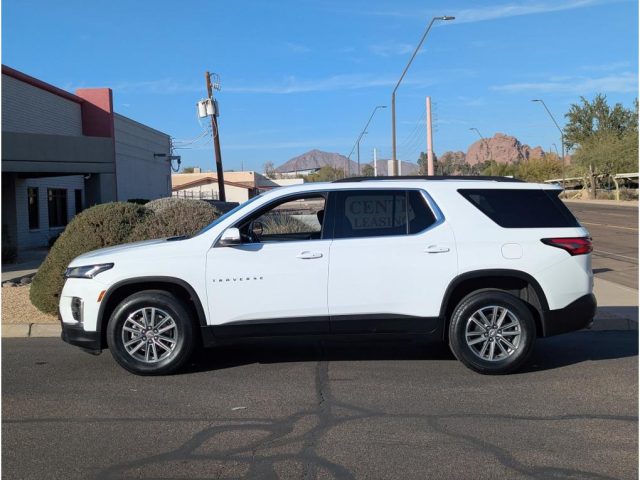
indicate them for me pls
(34, 211)
(380, 213)
(57, 202)
(294, 219)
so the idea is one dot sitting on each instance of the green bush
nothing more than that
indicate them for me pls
(283, 223)
(97, 227)
(175, 216)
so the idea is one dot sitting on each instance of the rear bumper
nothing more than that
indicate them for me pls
(575, 316)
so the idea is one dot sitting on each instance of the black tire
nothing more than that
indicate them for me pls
(473, 356)
(168, 361)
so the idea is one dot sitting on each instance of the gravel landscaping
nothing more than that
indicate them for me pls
(17, 309)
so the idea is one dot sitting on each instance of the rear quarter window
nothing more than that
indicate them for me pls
(521, 208)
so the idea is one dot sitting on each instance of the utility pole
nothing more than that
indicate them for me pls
(216, 141)
(429, 140)
(483, 142)
(362, 134)
(375, 162)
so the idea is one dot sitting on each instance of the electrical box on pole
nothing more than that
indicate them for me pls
(209, 107)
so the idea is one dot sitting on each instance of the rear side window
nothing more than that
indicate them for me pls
(522, 208)
(379, 213)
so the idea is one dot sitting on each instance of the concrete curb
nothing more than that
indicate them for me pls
(620, 203)
(36, 330)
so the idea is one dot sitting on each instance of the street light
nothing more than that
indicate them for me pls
(484, 142)
(394, 160)
(559, 129)
(362, 134)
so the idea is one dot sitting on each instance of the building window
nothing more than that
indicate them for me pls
(57, 198)
(34, 211)
(78, 194)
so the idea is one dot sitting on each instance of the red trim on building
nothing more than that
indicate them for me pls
(97, 112)
(23, 77)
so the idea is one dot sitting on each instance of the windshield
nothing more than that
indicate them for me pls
(227, 215)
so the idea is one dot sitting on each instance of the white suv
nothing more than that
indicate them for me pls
(486, 265)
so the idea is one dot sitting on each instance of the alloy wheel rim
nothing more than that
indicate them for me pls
(149, 335)
(493, 333)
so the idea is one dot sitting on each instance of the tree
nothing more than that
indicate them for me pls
(588, 119)
(540, 169)
(423, 165)
(605, 139)
(326, 174)
(269, 169)
(367, 171)
(188, 169)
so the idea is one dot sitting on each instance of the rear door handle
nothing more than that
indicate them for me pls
(306, 255)
(436, 249)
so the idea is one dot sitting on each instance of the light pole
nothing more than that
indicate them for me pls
(559, 129)
(484, 143)
(362, 134)
(394, 160)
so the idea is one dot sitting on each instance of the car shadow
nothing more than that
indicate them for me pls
(549, 353)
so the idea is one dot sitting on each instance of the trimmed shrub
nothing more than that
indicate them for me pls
(173, 217)
(97, 227)
(282, 223)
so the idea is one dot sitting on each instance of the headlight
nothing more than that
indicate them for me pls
(87, 271)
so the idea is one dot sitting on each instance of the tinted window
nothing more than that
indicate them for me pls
(34, 212)
(379, 213)
(521, 208)
(296, 219)
(420, 215)
(57, 202)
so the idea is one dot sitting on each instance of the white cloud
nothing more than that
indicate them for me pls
(620, 83)
(332, 83)
(159, 86)
(391, 49)
(493, 12)
(297, 47)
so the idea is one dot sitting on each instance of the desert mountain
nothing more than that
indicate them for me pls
(501, 148)
(317, 159)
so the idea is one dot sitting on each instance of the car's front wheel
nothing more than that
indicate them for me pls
(492, 332)
(150, 333)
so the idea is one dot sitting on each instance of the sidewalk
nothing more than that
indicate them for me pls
(621, 203)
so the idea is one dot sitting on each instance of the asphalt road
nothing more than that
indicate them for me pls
(340, 410)
(615, 238)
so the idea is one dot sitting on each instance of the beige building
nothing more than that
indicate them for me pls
(239, 186)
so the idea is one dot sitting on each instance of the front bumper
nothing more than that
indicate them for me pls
(575, 316)
(75, 335)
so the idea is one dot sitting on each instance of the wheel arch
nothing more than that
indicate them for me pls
(124, 288)
(515, 282)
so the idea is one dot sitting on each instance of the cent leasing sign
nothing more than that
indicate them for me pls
(375, 211)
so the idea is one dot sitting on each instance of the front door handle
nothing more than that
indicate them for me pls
(306, 255)
(436, 249)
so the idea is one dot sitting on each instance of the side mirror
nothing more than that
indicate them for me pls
(230, 237)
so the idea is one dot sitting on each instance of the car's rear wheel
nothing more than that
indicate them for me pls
(492, 332)
(150, 333)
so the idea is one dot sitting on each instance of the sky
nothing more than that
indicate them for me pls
(303, 74)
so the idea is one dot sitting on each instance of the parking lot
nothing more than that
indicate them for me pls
(324, 410)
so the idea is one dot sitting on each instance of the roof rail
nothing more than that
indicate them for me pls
(430, 178)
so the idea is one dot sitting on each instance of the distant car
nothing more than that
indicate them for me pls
(486, 265)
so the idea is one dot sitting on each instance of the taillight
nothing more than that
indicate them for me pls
(573, 245)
